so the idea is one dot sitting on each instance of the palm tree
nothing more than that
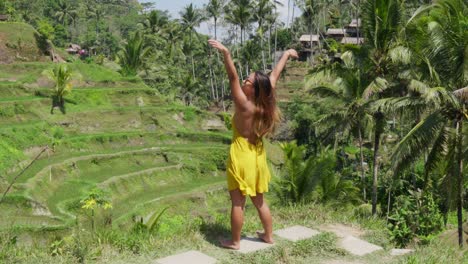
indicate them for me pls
(240, 13)
(303, 180)
(439, 135)
(191, 18)
(191, 90)
(310, 13)
(349, 84)
(132, 55)
(263, 8)
(66, 12)
(95, 9)
(172, 33)
(155, 21)
(62, 76)
(381, 22)
(215, 10)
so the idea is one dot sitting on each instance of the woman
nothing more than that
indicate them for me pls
(256, 115)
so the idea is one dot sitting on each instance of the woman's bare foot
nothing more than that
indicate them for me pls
(265, 238)
(227, 243)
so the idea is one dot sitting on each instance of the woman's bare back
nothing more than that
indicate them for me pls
(243, 120)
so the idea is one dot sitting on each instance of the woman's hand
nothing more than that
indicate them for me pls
(292, 53)
(217, 45)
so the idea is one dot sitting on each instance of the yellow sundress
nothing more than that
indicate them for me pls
(247, 167)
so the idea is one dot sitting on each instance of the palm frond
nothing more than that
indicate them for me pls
(337, 120)
(325, 91)
(421, 10)
(437, 153)
(418, 86)
(400, 105)
(417, 141)
(348, 59)
(400, 54)
(376, 86)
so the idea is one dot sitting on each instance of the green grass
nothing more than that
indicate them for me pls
(183, 228)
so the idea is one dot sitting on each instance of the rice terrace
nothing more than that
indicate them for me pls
(125, 124)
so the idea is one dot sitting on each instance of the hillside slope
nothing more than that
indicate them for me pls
(117, 135)
(18, 42)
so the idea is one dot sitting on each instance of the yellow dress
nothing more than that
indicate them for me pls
(247, 167)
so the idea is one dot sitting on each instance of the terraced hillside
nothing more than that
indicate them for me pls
(117, 135)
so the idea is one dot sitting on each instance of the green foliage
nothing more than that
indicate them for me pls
(312, 179)
(414, 216)
(283, 38)
(132, 55)
(227, 118)
(94, 199)
(151, 225)
(62, 77)
(46, 29)
(189, 114)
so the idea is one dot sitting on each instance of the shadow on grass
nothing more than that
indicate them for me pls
(214, 232)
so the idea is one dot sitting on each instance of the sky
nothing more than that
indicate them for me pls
(175, 6)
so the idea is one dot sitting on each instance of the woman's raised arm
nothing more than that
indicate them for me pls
(275, 74)
(240, 99)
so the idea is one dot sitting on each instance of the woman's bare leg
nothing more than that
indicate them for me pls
(265, 216)
(237, 219)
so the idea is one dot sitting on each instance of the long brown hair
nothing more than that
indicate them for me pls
(267, 115)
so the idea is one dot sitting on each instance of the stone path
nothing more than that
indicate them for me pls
(357, 246)
(252, 244)
(296, 233)
(192, 257)
(347, 241)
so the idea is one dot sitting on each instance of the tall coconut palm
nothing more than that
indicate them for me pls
(132, 55)
(155, 21)
(349, 84)
(263, 8)
(215, 9)
(66, 12)
(191, 18)
(95, 9)
(310, 13)
(440, 134)
(240, 13)
(381, 22)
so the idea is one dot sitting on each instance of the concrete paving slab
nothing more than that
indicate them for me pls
(251, 244)
(296, 233)
(357, 246)
(189, 257)
(400, 251)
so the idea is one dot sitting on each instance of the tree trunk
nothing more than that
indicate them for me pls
(263, 50)
(222, 94)
(211, 82)
(377, 134)
(269, 42)
(276, 42)
(388, 201)
(216, 38)
(460, 181)
(191, 55)
(363, 175)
